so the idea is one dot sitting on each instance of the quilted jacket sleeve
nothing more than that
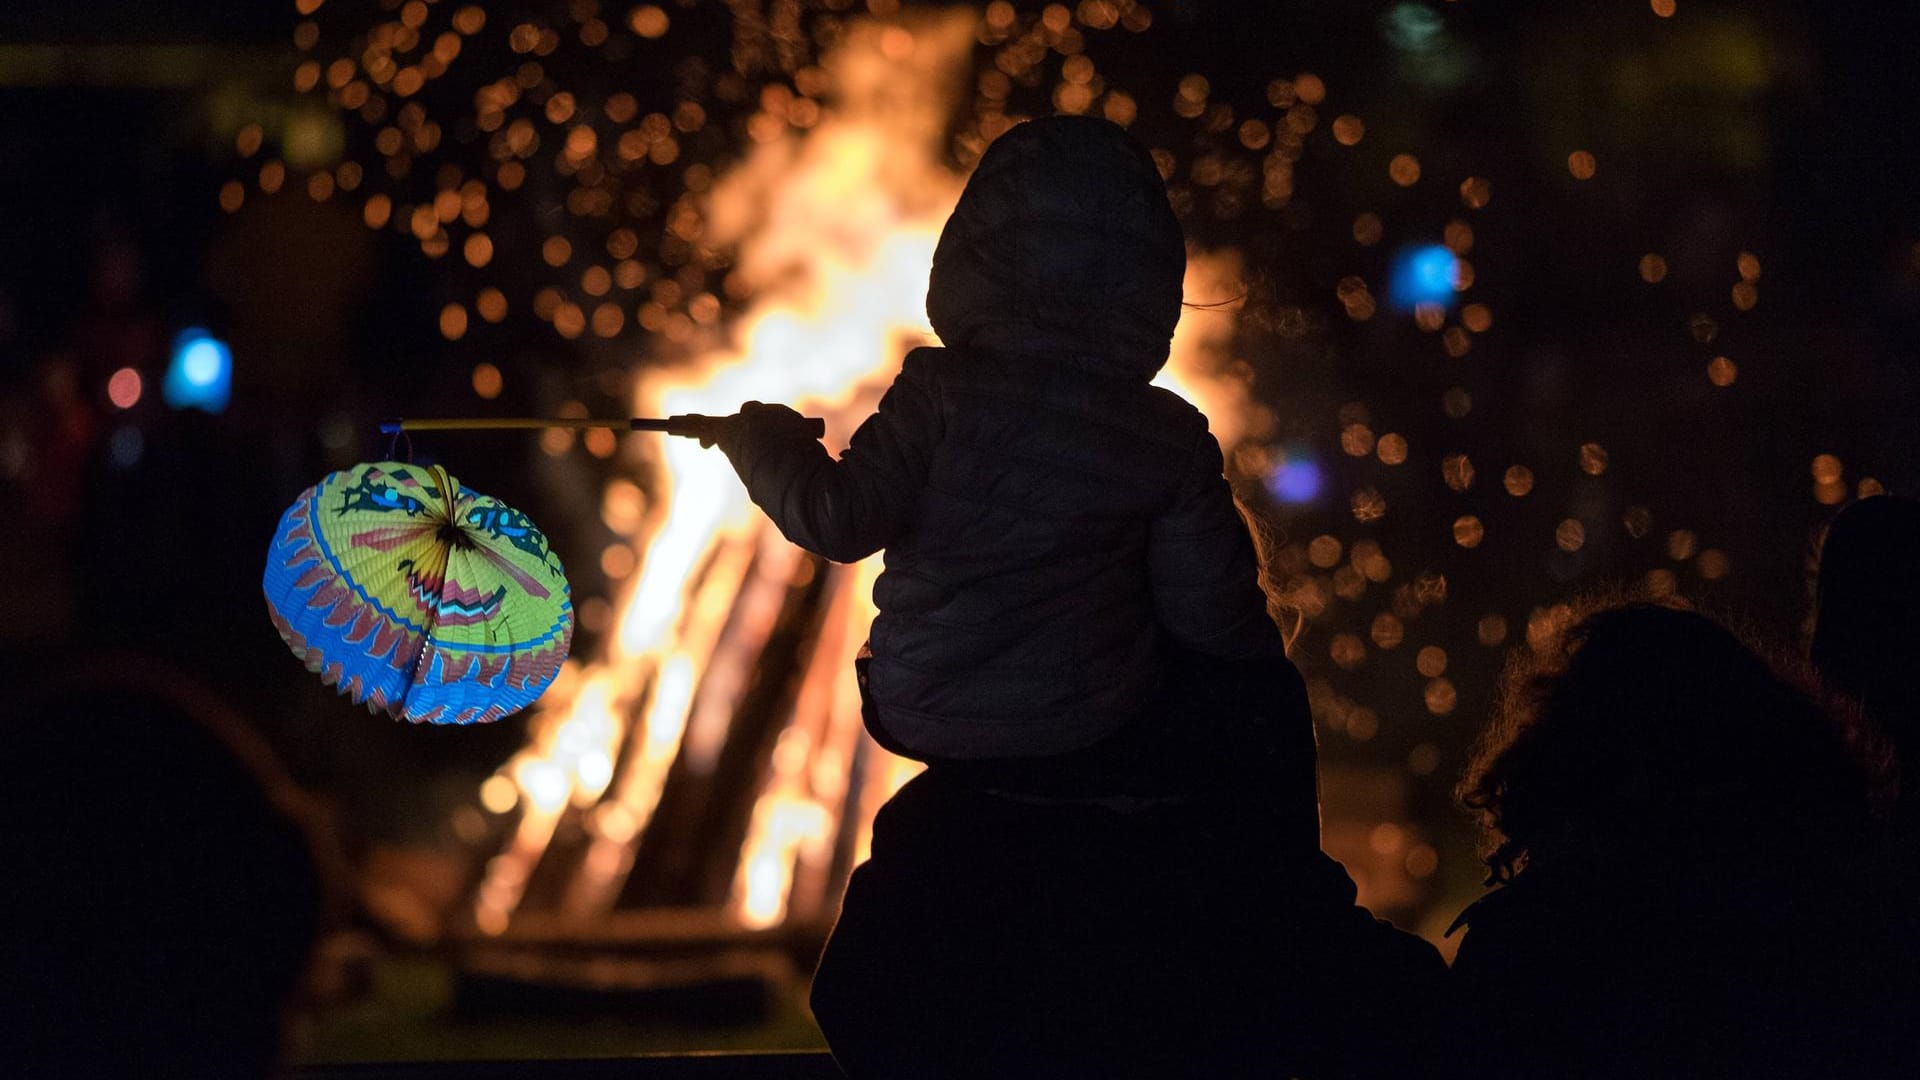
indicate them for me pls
(1205, 575)
(848, 509)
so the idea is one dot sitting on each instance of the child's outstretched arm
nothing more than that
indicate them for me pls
(848, 509)
(1202, 566)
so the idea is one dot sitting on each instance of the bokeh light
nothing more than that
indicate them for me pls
(1423, 275)
(1297, 479)
(200, 374)
(124, 388)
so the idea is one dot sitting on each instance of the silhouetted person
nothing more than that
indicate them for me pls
(1112, 860)
(1866, 646)
(160, 901)
(1669, 821)
(1866, 637)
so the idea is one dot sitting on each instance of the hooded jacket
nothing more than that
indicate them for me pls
(1052, 522)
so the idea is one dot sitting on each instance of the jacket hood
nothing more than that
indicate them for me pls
(1063, 245)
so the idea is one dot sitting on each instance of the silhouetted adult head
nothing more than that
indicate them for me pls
(1063, 243)
(162, 898)
(1647, 735)
(1866, 636)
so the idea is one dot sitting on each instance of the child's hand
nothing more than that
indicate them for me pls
(721, 431)
(764, 423)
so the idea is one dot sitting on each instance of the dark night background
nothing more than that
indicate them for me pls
(1778, 129)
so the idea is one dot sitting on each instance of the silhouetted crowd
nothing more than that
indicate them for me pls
(1111, 865)
(1704, 866)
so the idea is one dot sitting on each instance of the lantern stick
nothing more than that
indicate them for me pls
(693, 425)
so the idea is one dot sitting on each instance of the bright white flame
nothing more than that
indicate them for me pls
(545, 783)
(782, 824)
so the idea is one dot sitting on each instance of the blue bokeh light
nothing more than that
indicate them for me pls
(1296, 479)
(200, 375)
(1423, 275)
